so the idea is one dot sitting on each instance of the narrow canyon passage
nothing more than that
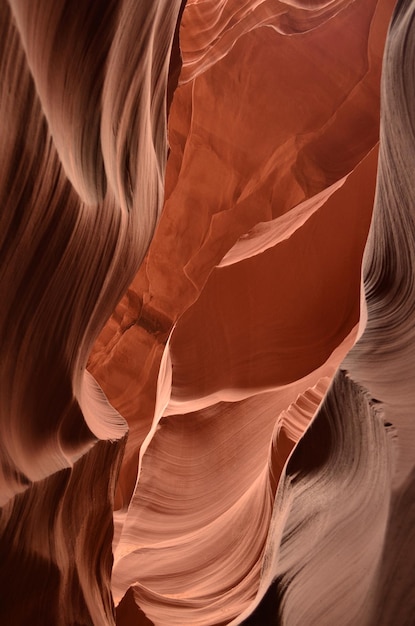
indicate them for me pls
(207, 323)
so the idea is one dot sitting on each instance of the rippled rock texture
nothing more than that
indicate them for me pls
(207, 326)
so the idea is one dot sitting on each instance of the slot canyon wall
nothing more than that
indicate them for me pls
(207, 321)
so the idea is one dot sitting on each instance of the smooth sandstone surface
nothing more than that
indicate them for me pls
(207, 323)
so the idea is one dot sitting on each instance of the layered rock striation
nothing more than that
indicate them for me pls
(207, 344)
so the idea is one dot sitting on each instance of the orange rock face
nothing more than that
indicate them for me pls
(207, 352)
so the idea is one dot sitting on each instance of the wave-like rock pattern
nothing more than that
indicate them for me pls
(77, 106)
(368, 472)
(264, 378)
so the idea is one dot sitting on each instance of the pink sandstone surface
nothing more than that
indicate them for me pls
(207, 326)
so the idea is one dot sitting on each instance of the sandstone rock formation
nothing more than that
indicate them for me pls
(207, 331)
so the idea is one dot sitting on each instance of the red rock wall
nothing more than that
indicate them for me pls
(234, 444)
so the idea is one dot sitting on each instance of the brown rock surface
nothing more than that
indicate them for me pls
(233, 440)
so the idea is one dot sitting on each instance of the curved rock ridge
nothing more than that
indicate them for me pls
(83, 153)
(389, 336)
(211, 29)
(331, 506)
(67, 277)
(207, 337)
(303, 294)
(202, 507)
